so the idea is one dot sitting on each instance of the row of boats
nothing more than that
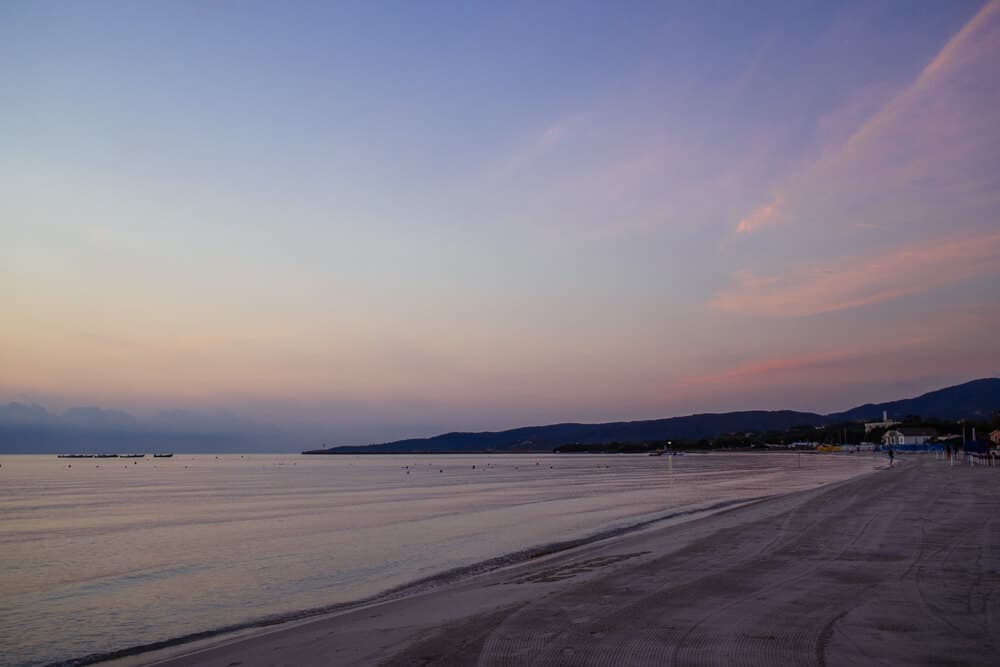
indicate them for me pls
(113, 456)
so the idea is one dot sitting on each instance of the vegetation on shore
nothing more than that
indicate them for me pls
(841, 433)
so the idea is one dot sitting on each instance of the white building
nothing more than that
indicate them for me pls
(803, 445)
(908, 435)
(885, 423)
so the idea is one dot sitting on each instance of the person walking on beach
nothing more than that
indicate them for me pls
(892, 456)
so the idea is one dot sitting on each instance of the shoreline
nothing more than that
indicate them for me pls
(440, 584)
(413, 588)
(279, 542)
(897, 567)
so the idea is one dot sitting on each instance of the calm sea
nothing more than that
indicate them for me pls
(102, 554)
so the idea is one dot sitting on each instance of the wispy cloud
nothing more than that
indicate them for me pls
(769, 214)
(767, 370)
(974, 45)
(891, 356)
(933, 137)
(812, 289)
(876, 204)
(544, 143)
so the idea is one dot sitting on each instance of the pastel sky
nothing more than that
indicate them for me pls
(392, 219)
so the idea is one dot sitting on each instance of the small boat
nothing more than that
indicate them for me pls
(163, 456)
(105, 456)
(75, 456)
(131, 456)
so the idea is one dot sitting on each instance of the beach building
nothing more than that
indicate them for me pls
(885, 423)
(908, 435)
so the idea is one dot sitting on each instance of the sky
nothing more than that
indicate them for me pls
(386, 219)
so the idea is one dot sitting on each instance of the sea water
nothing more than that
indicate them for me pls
(98, 555)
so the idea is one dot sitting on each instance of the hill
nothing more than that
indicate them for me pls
(544, 438)
(978, 399)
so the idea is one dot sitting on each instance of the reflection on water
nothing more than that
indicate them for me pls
(97, 555)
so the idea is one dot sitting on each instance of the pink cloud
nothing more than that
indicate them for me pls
(805, 365)
(973, 45)
(529, 154)
(769, 214)
(931, 144)
(836, 375)
(813, 289)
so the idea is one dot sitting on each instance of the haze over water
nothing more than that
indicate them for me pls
(98, 555)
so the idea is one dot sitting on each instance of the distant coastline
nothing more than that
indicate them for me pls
(975, 402)
(32, 429)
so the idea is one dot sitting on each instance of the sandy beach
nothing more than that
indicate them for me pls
(897, 567)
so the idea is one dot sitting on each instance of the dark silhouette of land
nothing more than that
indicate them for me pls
(978, 399)
(31, 429)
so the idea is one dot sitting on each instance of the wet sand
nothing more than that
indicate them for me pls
(897, 567)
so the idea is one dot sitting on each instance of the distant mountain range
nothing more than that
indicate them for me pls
(978, 399)
(31, 429)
